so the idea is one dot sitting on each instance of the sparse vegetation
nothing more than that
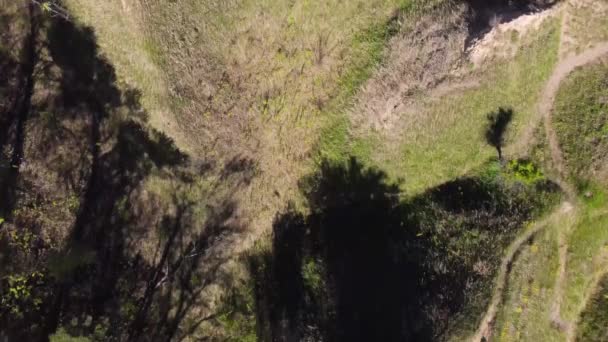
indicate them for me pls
(530, 312)
(292, 170)
(525, 313)
(580, 118)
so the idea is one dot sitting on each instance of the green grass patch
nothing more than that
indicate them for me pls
(593, 195)
(61, 335)
(336, 143)
(446, 140)
(235, 319)
(525, 171)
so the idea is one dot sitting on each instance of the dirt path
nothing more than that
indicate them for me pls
(547, 98)
(562, 70)
(562, 241)
(545, 108)
(487, 323)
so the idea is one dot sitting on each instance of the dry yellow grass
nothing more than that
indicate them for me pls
(121, 37)
(585, 24)
(241, 80)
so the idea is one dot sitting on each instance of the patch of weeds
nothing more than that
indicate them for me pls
(312, 275)
(49, 120)
(491, 170)
(524, 312)
(369, 45)
(22, 239)
(128, 310)
(369, 49)
(19, 296)
(586, 245)
(525, 171)
(73, 203)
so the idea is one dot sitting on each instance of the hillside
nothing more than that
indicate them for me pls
(270, 170)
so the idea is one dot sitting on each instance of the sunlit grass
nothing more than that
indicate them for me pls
(445, 139)
(525, 311)
(587, 258)
(123, 40)
(449, 140)
(586, 24)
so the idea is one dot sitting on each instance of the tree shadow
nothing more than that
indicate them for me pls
(101, 276)
(366, 265)
(370, 268)
(497, 127)
(123, 152)
(13, 121)
(280, 287)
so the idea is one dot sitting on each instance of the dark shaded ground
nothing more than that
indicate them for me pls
(84, 245)
(366, 266)
(484, 14)
(592, 327)
(18, 107)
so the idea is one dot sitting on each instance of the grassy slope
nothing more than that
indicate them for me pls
(582, 124)
(463, 248)
(445, 139)
(123, 40)
(455, 138)
(425, 158)
(525, 313)
(579, 119)
(146, 46)
(587, 24)
(250, 80)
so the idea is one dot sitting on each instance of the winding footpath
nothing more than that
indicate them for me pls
(487, 323)
(545, 108)
(563, 69)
